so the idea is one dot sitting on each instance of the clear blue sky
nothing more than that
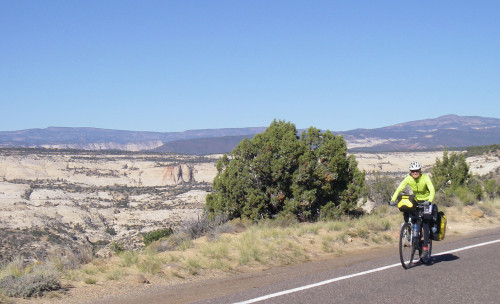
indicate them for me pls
(181, 65)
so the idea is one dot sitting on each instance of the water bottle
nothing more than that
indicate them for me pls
(415, 230)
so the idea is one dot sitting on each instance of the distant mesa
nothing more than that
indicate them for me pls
(450, 131)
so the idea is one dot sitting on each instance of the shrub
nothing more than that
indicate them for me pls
(32, 284)
(152, 236)
(116, 247)
(465, 195)
(380, 188)
(27, 194)
(225, 228)
(15, 267)
(490, 188)
(452, 171)
(475, 187)
(180, 240)
(90, 281)
(204, 225)
(110, 231)
(446, 199)
(70, 260)
(488, 208)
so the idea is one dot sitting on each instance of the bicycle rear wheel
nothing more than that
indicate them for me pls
(406, 246)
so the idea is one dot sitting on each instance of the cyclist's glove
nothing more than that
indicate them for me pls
(392, 203)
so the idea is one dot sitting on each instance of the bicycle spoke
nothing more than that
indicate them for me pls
(406, 248)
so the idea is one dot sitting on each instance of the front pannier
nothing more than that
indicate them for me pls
(406, 203)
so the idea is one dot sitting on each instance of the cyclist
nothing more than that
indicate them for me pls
(423, 189)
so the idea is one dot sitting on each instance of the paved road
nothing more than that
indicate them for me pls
(468, 275)
(460, 274)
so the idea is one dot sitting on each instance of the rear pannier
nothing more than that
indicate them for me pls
(440, 224)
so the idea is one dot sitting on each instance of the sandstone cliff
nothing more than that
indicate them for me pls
(68, 198)
(99, 146)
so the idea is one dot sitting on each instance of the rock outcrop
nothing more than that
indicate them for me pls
(99, 146)
(177, 174)
(51, 199)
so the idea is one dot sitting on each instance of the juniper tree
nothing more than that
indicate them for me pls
(278, 172)
(452, 171)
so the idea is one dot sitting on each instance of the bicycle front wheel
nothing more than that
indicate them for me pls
(406, 246)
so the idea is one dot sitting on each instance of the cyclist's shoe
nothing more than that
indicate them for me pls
(424, 254)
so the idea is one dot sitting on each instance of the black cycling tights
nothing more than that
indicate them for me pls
(426, 227)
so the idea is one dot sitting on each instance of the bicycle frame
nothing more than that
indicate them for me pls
(416, 219)
(411, 240)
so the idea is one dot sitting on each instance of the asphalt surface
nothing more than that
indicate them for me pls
(457, 274)
(470, 275)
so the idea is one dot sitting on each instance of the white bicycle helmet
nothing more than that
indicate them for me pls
(415, 165)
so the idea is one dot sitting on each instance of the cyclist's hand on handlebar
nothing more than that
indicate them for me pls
(426, 203)
(392, 203)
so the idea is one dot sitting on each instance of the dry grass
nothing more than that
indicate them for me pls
(258, 246)
(490, 207)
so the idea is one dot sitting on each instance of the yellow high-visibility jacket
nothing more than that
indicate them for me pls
(422, 188)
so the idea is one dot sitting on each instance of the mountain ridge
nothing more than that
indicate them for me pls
(435, 133)
(444, 131)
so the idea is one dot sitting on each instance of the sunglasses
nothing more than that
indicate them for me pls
(415, 171)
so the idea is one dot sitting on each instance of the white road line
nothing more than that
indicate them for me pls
(284, 292)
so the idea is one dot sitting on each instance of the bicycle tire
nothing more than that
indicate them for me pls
(428, 259)
(406, 246)
(429, 247)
